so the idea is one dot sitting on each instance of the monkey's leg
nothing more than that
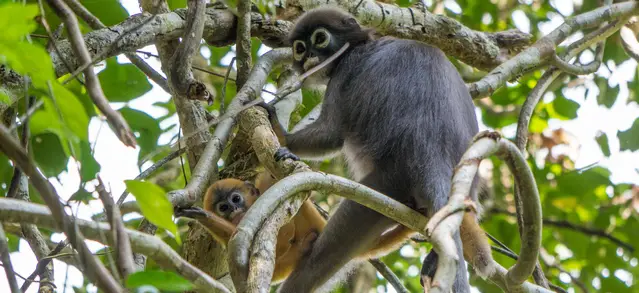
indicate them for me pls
(350, 231)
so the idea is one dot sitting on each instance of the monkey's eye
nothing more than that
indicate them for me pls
(236, 198)
(321, 38)
(223, 208)
(299, 48)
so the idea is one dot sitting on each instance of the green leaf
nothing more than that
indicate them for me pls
(166, 281)
(89, 167)
(4, 99)
(73, 114)
(146, 128)
(154, 204)
(565, 107)
(28, 59)
(82, 195)
(123, 82)
(17, 20)
(49, 154)
(607, 95)
(629, 139)
(110, 12)
(602, 140)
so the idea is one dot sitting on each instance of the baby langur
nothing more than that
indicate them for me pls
(227, 201)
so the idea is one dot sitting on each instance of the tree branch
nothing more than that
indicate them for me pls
(19, 211)
(6, 263)
(478, 49)
(115, 119)
(243, 44)
(95, 269)
(121, 243)
(95, 24)
(629, 41)
(543, 49)
(180, 75)
(575, 227)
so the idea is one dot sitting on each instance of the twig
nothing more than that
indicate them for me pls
(582, 229)
(95, 23)
(167, 258)
(205, 70)
(121, 242)
(226, 80)
(95, 269)
(43, 263)
(53, 40)
(152, 169)
(117, 122)
(6, 262)
(385, 271)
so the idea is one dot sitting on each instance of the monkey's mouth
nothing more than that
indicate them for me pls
(237, 216)
(310, 63)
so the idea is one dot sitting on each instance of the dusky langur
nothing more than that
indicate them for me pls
(401, 114)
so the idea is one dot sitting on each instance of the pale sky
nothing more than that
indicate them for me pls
(118, 163)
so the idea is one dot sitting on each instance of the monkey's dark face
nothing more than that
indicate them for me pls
(320, 33)
(229, 204)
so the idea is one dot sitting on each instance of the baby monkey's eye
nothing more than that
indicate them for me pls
(236, 199)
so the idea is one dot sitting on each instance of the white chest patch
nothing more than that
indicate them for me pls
(359, 163)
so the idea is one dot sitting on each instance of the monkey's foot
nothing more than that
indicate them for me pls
(190, 212)
(284, 153)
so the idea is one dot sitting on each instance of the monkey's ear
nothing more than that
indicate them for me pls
(350, 21)
(254, 191)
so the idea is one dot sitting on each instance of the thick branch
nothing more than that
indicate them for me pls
(478, 49)
(23, 212)
(243, 44)
(180, 75)
(95, 269)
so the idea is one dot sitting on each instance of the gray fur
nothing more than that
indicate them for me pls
(404, 116)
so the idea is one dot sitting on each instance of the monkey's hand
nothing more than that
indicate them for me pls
(284, 153)
(190, 212)
(270, 110)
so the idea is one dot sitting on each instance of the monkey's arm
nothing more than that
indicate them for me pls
(388, 242)
(220, 228)
(318, 140)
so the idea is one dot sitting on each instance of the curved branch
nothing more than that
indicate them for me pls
(447, 220)
(6, 263)
(24, 212)
(283, 196)
(545, 47)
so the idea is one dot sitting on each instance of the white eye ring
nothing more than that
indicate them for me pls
(298, 55)
(324, 43)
